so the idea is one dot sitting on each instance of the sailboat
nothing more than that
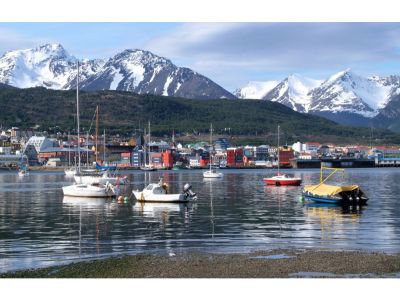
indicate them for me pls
(82, 189)
(147, 167)
(212, 173)
(280, 178)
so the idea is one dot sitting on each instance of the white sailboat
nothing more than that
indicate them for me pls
(81, 189)
(212, 173)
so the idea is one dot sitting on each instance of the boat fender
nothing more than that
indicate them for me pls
(120, 198)
(141, 197)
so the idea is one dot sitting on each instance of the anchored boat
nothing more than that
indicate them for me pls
(212, 173)
(334, 194)
(85, 190)
(282, 179)
(158, 192)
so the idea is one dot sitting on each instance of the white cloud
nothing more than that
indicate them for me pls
(279, 47)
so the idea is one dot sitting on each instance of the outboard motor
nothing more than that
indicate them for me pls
(187, 189)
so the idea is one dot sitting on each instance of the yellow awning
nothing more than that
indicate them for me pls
(329, 190)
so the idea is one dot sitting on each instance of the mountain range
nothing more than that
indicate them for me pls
(344, 97)
(138, 71)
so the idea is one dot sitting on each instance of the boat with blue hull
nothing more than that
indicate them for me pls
(334, 194)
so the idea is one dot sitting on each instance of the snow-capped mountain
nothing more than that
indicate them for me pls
(137, 71)
(145, 73)
(255, 89)
(293, 92)
(351, 93)
(48, 65)
(344, 97)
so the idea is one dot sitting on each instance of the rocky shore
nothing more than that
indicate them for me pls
(270, 264)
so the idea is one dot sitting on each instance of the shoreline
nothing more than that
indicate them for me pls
(260, 264)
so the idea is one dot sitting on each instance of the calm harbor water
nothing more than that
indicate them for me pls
(40, 227)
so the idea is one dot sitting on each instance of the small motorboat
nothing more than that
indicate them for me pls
(158, 192)
(282, 179)
(89, 190)
(334, 194)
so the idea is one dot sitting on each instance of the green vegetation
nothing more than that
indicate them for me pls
(123, 112)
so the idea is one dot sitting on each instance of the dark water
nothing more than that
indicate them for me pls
(39, 227)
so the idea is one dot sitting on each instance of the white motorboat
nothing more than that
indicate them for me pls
(158, 192)
(212, 173)
(89, 190)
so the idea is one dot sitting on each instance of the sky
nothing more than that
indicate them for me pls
(231, 54)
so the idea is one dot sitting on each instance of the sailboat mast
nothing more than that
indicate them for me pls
(211, 147)
(97, 129)
(87, 148)
(145, 146)
(149, 142)
(77, 118)
(278, 149)
(104, 146)
(69, 151)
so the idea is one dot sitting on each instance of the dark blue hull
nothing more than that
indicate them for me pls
(319, 199)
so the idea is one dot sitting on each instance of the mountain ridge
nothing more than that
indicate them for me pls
(133, 70)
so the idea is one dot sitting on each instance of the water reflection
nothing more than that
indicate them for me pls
(333, 220)
(237, 213)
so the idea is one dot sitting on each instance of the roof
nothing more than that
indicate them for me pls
(329, 190)
(58, 149)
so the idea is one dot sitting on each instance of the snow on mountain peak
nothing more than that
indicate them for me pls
(255, 89)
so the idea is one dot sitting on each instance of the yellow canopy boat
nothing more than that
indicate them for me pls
(335, 194)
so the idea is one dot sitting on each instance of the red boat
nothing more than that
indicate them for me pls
(282, 179)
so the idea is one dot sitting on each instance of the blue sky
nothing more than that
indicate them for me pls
(229, 53)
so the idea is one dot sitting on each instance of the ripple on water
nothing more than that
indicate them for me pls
(39, 227)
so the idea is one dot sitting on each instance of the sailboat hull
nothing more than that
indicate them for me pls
(282, 180)
(86, 190)
(211, 174)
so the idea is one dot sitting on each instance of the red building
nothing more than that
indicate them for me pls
(168, 160)
(234, 157)
(285, 155)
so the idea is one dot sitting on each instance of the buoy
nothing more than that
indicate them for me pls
(120, 198)
(126, 199)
